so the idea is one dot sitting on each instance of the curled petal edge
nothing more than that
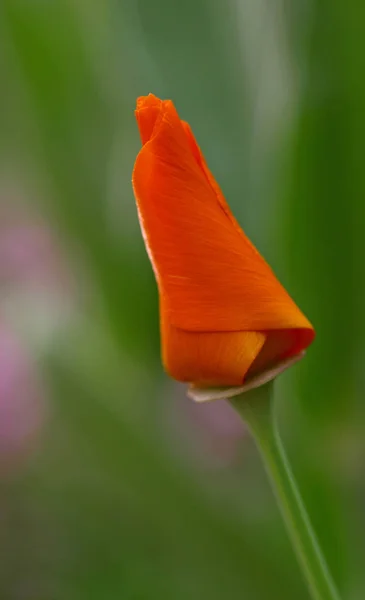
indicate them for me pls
(200, 394)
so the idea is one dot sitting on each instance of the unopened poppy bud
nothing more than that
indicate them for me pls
(224, 316)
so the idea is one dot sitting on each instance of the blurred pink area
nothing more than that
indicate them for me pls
(37, 288)
(35, 291)
(22, 408)
(29, 252)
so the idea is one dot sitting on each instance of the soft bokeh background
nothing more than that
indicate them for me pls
(113, 484)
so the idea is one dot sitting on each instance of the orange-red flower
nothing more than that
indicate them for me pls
(224, 315)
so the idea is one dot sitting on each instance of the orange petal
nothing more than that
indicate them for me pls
(210, 276)
(209, 359)
(147, 113)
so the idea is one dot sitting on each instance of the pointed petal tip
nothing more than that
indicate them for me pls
(147, 111)
(149, 100)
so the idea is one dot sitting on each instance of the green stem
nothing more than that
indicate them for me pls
(256, 408)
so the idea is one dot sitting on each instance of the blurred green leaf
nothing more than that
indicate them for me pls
(76, 119)
(320, 218)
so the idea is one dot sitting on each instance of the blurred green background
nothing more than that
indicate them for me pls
(113, 484)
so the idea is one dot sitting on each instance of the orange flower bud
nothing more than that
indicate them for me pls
(224, 316)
